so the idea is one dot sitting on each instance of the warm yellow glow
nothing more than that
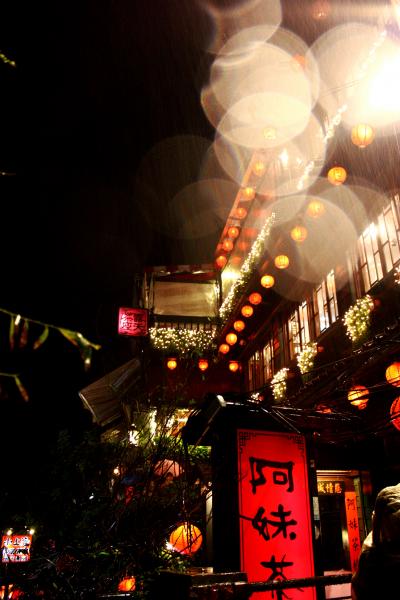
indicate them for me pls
(233, 232)
(203, 364)
(392, 374)
(358, 396)
(284, 158)
(315, 209)
(233, 366)
(221, 261)
(172, 363)
(227, 245)
(239, 325)
(247, 311)
(337, 175)
(248, 193)
(259, 168)
(281, 261)
(231, 338)
(224, 348)
(385, 86)
(267, 281)
(240, 212)
(255, 298)
(362, 135)
(299, 233)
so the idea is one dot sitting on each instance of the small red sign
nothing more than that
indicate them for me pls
(133, 322)
(352, 528)
(274, 510)
(15, 548)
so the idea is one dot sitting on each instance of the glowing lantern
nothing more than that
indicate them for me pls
(227, 245)
(186, 539)
(281, 261)
(247, 311)
(267, 281)
(239, 325)
(258, 168)
(395, 412)
(231, 338)
(128, 584)
(233, 232)
(320, 9)
(315, 209)
(299, 233)
(358, 396)
(224, 348)
(362, 135)
(221, 261)
(323, 408)
(203, 364)
(172, 363)
(299, 61)
(255, 298)
(240, 212)
(233, 366)
(393, 374)
(249, 192)
(337, 175)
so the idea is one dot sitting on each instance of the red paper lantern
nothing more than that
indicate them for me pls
(315, 209)
(281, 261)
(203, 364)
(267, 281)
(255, 298)
(239, 325)
(224, 348)
(186, 539)
(231, 338)
(247, 311)
(221, 261)
(299, 233)
(362, 135)
(233, 232)
(240, 212)
(233, 366)
(227, 245)
(395, 412)
(172, 363)
(128, 584)
(393, 374)
(248, 193)
(358, 396)
(337, 175)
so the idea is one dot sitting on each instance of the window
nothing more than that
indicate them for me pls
(268, 361)
(324, 304)
(255, 372)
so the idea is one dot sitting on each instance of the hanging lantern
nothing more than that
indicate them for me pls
(299, 60)
(255, 298)
(221, 261)
(281, 261)
(393, 374)
(299, 233)
(224, 348)
(258, 168)
(247, 311)
(362, 135)
(233, 232)
(227, 245)
(395, 413)
(337, 175)
(240, 212)
(315, 209)
(323, 408)
(248, 193)
(203, 364)
(358, 396)
(233, 366)
(172, 363)
(239, 325)
(128, 584)
(186, 539)
(267, 281)
(320, 10)
(231, 338)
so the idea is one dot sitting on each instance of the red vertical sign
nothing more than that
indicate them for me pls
(274, 510)
(352, 528)
(132, 321)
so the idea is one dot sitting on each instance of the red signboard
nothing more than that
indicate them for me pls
(15, 548)
(274, 510)
(132, 321)
(352, 528)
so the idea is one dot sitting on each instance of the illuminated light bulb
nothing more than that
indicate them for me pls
(231, 338)
(337, 175)
(259, 168)
(203, 364)
(224, 348)
(240, 212)
(362, 135)
(255, 298)
(233, 366)
(299, 233)
(247, 311)
(358, 396)
(281, 261)
(221, 261)
(267, 281)
(239, 325)
(233, 232)
(249, 193)
(315, 209)
(227, 245)
(172, 363)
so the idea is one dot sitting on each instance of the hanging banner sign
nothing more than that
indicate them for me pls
(274, 511)
(16, 548)
(352, 528)
(132, 322)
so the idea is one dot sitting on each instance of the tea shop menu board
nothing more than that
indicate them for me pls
(274, 510)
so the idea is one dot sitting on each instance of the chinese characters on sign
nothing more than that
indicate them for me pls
(274, 511)
(132, 321)
(352, 528)
(330, 487)
(15, 548)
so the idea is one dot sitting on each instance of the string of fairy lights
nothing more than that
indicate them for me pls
(357, 318)
(182, 342)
